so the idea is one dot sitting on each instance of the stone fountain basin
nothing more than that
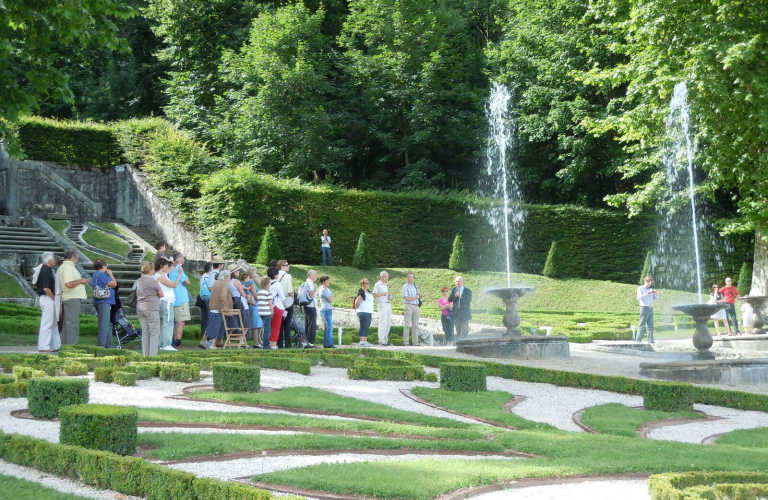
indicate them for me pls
(509, 293)
(700, 310)
(526, 347)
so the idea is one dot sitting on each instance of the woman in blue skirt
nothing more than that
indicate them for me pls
(251, 290)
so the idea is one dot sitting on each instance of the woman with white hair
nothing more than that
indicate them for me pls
(221, 301)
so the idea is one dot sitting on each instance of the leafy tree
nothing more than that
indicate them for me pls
(720, 50)
(646, 267)
(745, 279)
(269, 250)
(275, 114)
(30, 33)
(553, 267)
(363, 259)
(458, 260)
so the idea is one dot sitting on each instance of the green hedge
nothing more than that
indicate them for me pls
(125, 378)
(179, 372)
(69, 143)
(25, 373)
(668, 396)
(100, 427)
(236, 377)
(14, 390)
(127, 475)
(47, 395)
(709, 485)
(72, 368)
(373, 370)
(464, 377)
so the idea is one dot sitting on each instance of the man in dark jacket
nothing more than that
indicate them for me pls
(461, 297)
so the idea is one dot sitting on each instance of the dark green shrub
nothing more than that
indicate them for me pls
(553, 267)
(236, 377)
(339, 360)
(430, 377)
(179, 372)
(72, 368)
(100, 427)
(104, 373)
(110, 361)
(146, 369)
(362, 259)
(464, 377)
(14, 390)
(646, 267)
(300, 366)
(458, 260)
(372, 370)
(745, 279)
(269, 249)
(667, 396)
(47, 395)
(124, 378)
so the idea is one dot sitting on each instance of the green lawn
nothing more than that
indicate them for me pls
(615, 418)
(93, 256)
(748, 438)
(57, 225)
(106, 241)
(9, 288)
(315, 399)
(21, 489)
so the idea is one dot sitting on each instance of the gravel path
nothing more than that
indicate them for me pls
(627, 489)
(695, 432)
(58, 484)
(230, 469)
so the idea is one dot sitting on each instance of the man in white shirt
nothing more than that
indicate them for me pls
(310, 310)
(325, 248)
(383, 299)
(646, 295)
(286, 282)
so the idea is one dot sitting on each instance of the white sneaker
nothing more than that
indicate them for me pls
(365, 344)
(168, 348)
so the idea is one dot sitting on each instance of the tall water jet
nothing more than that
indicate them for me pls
(676, 264)
(501, 181)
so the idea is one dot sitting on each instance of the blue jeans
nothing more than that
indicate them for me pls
(266, 330)
(646, 321)
(447, 323)
(730, 312)
(328, 322)
(326, 255)
(365, 323)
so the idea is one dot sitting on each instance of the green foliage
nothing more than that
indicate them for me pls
(104, 373)
(179, 372)
(21, 489)
(100, 427)
(734, 485)
(380, 370)
(430, 377)
(236, 377)
(47, 395)
(72, 368)
(136, 477)
(553, 267)
(9, 287)
(668, 396)
(31, 35)
(646, 268)
(106, 241)
(124, 378)
(21, 373)
(620, 420)
(362, 259)
(745, 279)
(458, 260)
(748, 438)
(269, 249)
(463, 377)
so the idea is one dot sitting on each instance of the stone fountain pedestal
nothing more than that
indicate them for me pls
(509, 343)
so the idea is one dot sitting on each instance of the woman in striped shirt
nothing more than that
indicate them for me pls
(264, 299)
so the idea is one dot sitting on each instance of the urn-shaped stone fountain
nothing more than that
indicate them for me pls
(701, 313)
(758, 305)
(510, 343)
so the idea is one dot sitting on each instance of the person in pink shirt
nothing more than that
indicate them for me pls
(446, 319)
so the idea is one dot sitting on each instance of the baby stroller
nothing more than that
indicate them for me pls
(123, 330)
(298, 335)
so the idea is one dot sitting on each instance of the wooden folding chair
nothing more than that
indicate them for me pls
(236, 333)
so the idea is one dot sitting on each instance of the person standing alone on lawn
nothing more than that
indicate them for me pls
(325, 248)
(729, 297)
(646, 295)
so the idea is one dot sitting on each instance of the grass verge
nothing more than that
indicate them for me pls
(9, 288)
(106, 241)
(21, 489)
(620, 420)
(748, 438)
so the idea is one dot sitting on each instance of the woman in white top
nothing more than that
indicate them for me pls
(278, 305)
(364, 306)
(239, 301)
(164, 266)
(325, 248)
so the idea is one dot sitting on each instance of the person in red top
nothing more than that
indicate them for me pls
(729, 297)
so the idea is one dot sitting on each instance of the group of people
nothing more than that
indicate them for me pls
(646, 295)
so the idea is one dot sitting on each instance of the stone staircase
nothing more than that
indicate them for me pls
(74, 231)
(27, 240)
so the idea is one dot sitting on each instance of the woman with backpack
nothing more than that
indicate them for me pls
(363, 304)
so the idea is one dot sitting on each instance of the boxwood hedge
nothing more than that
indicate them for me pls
(668, 396)
(709, 485)
(236, 377)
(100, 427)
(47, 395)
(464, 377)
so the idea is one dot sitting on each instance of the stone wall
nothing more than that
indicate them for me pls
(138, 205)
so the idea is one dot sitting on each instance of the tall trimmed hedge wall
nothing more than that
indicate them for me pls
(412, 229)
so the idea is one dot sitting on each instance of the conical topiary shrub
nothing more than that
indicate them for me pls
(553, 267)
(458, 260)
(269, 249)
(745, 279)
(646, 268)
(363, 258)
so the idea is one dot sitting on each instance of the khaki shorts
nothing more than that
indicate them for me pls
(181, 313)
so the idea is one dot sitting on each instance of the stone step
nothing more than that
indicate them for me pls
(32, 248)
(11, 240)
(20, 230)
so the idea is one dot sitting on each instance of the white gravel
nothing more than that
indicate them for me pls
(630, 489)
(695, 432)
(230, 469)
(58, 484)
